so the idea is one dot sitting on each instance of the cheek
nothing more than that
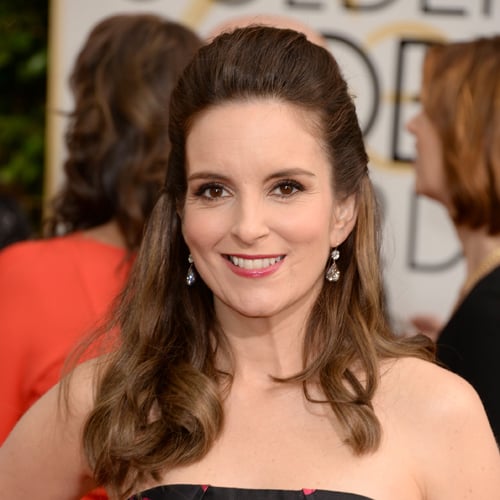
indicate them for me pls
(202, 228)
(309, 224)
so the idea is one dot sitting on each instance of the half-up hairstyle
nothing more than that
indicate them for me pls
(159, 402)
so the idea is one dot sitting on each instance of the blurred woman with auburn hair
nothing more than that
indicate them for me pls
(458, 165)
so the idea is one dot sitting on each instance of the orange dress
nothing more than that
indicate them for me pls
(52, 293)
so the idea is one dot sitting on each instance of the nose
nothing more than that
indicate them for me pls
(250, 220)
(411, 124)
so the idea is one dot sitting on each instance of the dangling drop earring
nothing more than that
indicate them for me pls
(333, 272)
(191, 276)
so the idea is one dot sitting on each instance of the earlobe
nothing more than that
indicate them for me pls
(178, 208)
(343, 220)
(180, 211)
(180, 214)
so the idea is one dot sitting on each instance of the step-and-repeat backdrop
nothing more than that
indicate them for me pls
(379, 44)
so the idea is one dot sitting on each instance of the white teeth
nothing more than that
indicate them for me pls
(254, 263)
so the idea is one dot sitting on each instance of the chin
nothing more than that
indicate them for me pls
(256, 312)
(421, 190)
(258, 309)
(430, 195)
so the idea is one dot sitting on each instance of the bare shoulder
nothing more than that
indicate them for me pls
(439, 419)
(46, 445)
(77, 389)
(425, 395)
(64, 407)
(426, 382)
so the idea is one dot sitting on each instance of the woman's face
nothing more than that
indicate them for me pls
(260, 216)
(429, 170)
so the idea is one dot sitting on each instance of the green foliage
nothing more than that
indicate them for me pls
(23, 76)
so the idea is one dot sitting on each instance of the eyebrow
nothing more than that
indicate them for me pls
(287, 172)
(290, 172)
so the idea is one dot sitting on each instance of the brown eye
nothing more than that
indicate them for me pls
(286, 189)
(214, 192)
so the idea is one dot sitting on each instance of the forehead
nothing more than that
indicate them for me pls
(260, 119)
(255, 139)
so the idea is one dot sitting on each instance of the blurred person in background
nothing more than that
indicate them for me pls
(458, 165)
(53, 290)
(273, 20)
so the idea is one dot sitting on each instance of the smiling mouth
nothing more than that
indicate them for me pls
(254, 263)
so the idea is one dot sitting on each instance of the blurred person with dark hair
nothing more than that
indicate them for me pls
(53, 290)
(458, 165)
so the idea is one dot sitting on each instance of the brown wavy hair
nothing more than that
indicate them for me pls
(117, 141)
(159, 398)
(461, 96)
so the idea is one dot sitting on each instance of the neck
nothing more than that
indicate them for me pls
(263, 347)
(481, 253)
(108, 234)
(477, 245)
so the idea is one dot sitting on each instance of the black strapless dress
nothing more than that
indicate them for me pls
(196, 492)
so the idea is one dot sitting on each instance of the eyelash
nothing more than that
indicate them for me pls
(296, 186)
(200, 192)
